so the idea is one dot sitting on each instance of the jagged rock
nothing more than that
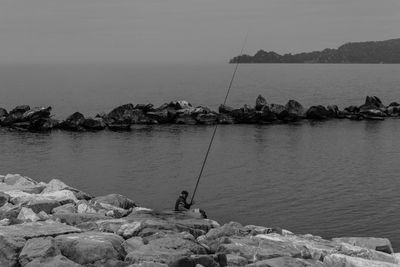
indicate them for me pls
(36, 113)
(89, 247)
(339, 260)
(207, 119)
(94, 124)
(116, 200)
(57, 261)
(27, 215)
(372, 102)
(4, 198)
(15, 115)
(67, 208)
(10, 212)
(295, 108)
(3, 112)
(181, 104)
(38, 248)
(260, 103)
(37, 229)
(224, 109)
(73, 122)
(379, 244)
(334, 110)
(43, 205)
(121, 114)
(56, 185)
(10, 248)
(318, 113)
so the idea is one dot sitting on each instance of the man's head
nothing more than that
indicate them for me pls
(184, 193)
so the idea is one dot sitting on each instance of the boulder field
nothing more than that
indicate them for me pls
(121, 118)
(52, 224)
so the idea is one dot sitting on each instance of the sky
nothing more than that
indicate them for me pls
(185, 30)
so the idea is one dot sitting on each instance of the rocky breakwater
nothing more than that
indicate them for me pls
(182, 112)
(53, 224)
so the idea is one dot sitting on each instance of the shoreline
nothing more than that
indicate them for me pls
(53, 224)
(121, 118)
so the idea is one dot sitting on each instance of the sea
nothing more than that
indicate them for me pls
(333, 178)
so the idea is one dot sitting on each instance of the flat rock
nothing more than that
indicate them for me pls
(282, 262)
(339, 260)
(38, 248)
(379, 244)
(43, 205)
(57, 261)
(37, 229)
(89, 247)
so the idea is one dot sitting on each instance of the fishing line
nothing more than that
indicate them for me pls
(216, 125)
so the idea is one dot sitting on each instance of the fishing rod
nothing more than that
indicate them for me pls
(216, 125)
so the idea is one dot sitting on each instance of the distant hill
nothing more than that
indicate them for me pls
(361, 52)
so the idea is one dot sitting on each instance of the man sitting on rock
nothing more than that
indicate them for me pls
(181, 204)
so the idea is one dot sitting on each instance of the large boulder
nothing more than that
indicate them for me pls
(116, 200)
(89, 247)
(10, 248)
(73, 122)
(38, 248)
(27, 215)
(43, 124)
(56, 185)
(379, 244)
(123, 113)
(224, 109)
(36, 113)
(339, 260)
(37, 229)
(57, 261)
(15, 115)
(295, 108)
(318, 113)
(94, 124)
(372, 102)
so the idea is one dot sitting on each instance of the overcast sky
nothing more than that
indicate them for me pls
(185, 30)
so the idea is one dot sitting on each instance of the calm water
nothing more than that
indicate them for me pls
(336, 178)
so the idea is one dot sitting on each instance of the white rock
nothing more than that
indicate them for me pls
(27, 214)
(17, 179)
(54, 186)
(43, 215)
(4, 222)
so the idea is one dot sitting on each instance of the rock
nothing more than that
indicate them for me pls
(368, 113)
(145, 107)
(3, 112)
(224, 109)
(148, 264)
(393, 104)
(122, 113)
(185, 119)
(43, 216)
(79, 218)
(20, 109)
(166, 250)
(116, 200)
(360, 252)
(89, 247)
(372, 102)
(229, 229)
(37, 229)
(16, 179)
(161, 116)
(27, 215)
(334, 110)
(73, 122)
(338, 260)
(352, 109)
(132, 244)
(236, 260)
(260, 103)
(57, 261)
(295, 108)
(182, 104)
(4, 198)
(94, 124)
(379, 244)
(67, 208)
(15, 115)
(38, 248)
(318, 113)
(57, 185)
(42, 205)
(10, 248)
(36, 113)
(283, 261)
(43, 124)
(5, 222)
(207, 119)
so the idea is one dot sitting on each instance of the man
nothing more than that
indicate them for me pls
(181, 204)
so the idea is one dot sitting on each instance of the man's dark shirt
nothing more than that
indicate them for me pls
(181, 205)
